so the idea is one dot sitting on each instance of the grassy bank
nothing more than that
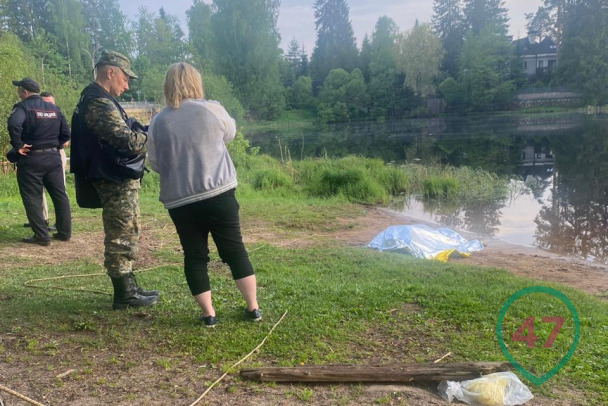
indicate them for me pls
(346, 305)
(362, 180)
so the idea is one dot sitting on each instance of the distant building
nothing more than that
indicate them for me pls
(538, 57)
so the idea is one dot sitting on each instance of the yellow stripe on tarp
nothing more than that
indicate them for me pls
(445, 254)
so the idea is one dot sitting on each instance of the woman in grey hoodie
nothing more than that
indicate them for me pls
(186, 146)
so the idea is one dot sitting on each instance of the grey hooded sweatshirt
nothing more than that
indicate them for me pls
(186, 146)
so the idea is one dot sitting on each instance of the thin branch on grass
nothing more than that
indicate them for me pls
(29, 283)
(445, 356)
(20, 396)
(237, 363)
(66, 373)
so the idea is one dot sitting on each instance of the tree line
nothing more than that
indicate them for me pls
(464, 55)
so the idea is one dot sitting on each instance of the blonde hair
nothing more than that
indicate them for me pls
(182, 81)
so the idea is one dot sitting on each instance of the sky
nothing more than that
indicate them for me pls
(296, 19)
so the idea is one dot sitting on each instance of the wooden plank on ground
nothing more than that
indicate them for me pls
(361, 373)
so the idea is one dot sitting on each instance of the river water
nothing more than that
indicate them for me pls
(557, 163)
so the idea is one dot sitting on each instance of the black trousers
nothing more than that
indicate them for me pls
(219, 216)
(38, 169)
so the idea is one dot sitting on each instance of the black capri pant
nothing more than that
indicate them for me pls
(218, 215)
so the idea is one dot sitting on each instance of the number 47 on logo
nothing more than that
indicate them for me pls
(530, 339)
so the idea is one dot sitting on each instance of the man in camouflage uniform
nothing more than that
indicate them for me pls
(108, 150)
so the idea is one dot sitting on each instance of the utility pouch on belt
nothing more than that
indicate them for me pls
(86, 194)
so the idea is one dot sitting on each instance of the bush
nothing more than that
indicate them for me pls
(269, 179)
(13, 65)
(218, 88)
(150, 183)
(354, 184)
(240, 151)
(299, 95)
(357, 179)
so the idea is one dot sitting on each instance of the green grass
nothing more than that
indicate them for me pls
(346, 305)
(289, 119)
(437, 188)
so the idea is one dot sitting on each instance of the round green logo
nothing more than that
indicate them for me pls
(528, 324)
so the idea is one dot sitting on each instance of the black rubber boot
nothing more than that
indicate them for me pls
(141, 291)
(125, 294)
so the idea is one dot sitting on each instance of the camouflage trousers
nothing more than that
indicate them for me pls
(120, 202)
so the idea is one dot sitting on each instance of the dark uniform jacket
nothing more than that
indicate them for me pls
(104, 146)
(37, 123)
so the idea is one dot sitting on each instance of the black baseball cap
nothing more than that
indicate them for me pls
(28, 84)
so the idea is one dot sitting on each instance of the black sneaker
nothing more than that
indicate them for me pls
(253, 315)
(60, 237)
(208, 321)
(36, 240)
(53, 227)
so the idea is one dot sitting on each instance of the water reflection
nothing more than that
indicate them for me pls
(558, 163)
(574, 219)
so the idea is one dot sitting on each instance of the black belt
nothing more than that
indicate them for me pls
(43, 150)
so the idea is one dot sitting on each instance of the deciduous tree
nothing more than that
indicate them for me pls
(201, 34)
(66, 25)
(486, 70)
(107, 27)
(420, 55)
(247, 44)
(23, 18)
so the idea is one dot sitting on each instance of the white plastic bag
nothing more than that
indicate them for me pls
(498, 389)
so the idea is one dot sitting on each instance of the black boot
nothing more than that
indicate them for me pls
(141, 291)
(125, 294)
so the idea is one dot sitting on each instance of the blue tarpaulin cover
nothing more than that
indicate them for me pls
(422, 241)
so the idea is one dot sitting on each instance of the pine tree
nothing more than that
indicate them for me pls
(583, 60)
(448, 24)
(335, 46)
(382, 56)
(303, 62)
(365, 56)
(479, 14)
(558, 11)
(540, 22)
(293, 53)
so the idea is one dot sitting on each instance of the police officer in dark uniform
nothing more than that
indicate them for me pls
(37, 130)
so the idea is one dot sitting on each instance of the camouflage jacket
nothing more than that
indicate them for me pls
(99, 120)
(104, 120)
